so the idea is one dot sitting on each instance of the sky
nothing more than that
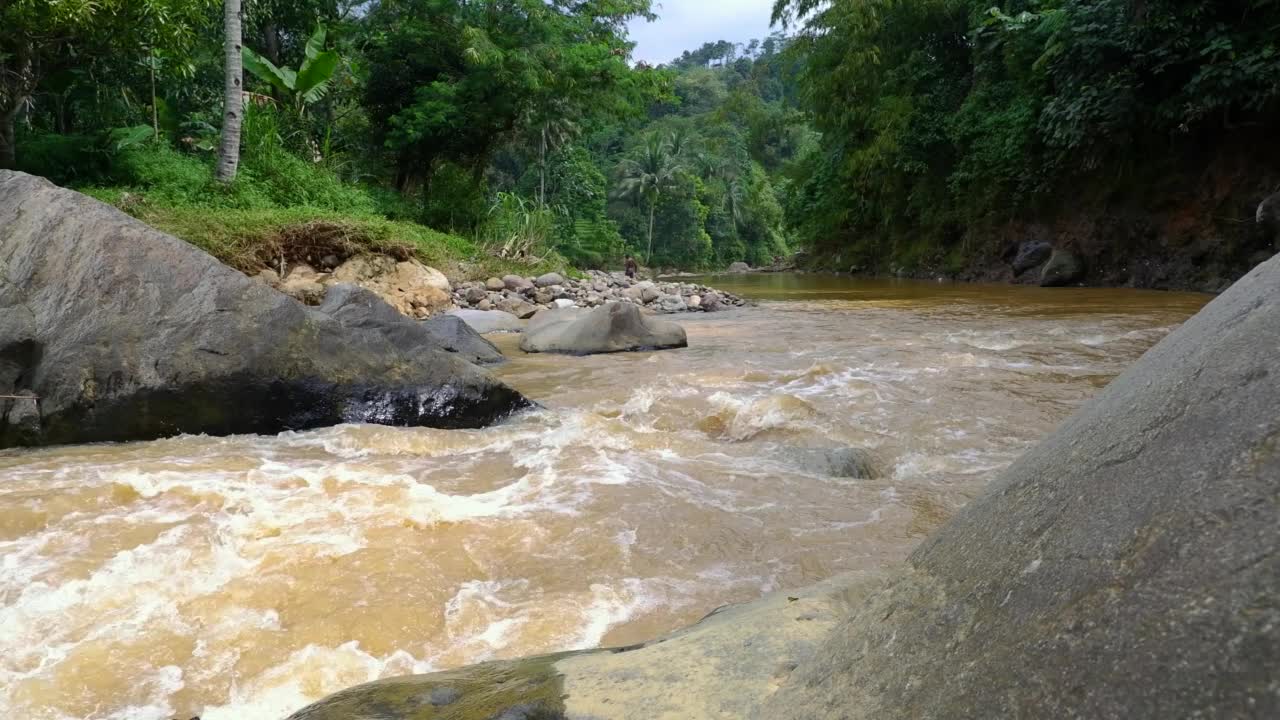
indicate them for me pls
(687, 24)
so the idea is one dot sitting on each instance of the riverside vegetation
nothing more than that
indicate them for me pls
(938, 137)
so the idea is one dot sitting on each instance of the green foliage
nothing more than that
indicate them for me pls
(310, 82)
(943, 117)
(517, 229)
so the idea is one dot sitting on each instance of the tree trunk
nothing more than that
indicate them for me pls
(18, 72)
(233, 94)
(542, 170)
(8, 153)
(155, 112)
(653, 207)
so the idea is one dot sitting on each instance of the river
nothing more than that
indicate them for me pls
(240, 578)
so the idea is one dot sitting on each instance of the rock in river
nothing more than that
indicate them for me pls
(357, 307)
(489, 321)
(125, 333)
(616, 327)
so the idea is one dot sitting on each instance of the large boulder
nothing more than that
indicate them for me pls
(1031, 254)
(739, 267)
(1125, 567)
(125, 333)
(357, 307)
(1064, 268)
(616, 327)
(489, 321)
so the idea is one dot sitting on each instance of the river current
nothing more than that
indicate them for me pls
(241, 578)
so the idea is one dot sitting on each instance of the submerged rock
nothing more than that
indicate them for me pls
(853, 463)
(617, 327)
(1125, 567)
(126, 333)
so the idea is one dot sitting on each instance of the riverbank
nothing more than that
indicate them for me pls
(1199, 242)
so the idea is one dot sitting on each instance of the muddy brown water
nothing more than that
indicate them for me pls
(240, 578)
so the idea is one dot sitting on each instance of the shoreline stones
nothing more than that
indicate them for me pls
(523, 297)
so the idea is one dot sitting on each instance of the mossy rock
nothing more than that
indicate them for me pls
(529, 689)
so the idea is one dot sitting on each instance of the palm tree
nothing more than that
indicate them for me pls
(647, 174)
(233, 94)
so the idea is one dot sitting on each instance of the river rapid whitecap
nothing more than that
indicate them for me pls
(241, 578)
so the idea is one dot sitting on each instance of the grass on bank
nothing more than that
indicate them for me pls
(282, 207)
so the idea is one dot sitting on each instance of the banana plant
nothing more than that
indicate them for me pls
(310, 82)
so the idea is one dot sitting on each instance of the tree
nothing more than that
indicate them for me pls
(647, 174)
(233, 95)
(451, 80)
(40, 40)
(310, 82)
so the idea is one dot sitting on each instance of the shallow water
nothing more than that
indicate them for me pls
(240, 578)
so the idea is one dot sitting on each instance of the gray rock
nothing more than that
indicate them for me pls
(1125, 567)
(23, 416)
(546, 281)
(672, 304)
(712, 302)
(739, 267)
(452, 334)
(543, 296)
(853, 463)
(356, 307)
(1031, 254)
(126, 333)
(494, 284)
(1064, 268)
(491, 321)
(515, 282)
(521, 309)
(649, 294)
(475, 294)
(564, 303)
(616, 327)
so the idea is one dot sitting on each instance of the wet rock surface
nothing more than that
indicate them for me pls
(525, 296)
(1123, 568)
(125, 333)
(723, 667)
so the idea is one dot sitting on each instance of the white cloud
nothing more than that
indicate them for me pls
(687, 24)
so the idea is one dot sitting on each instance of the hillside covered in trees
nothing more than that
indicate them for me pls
(1140, 134)
(882, 136)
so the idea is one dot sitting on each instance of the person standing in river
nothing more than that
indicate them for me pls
(630, 267)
